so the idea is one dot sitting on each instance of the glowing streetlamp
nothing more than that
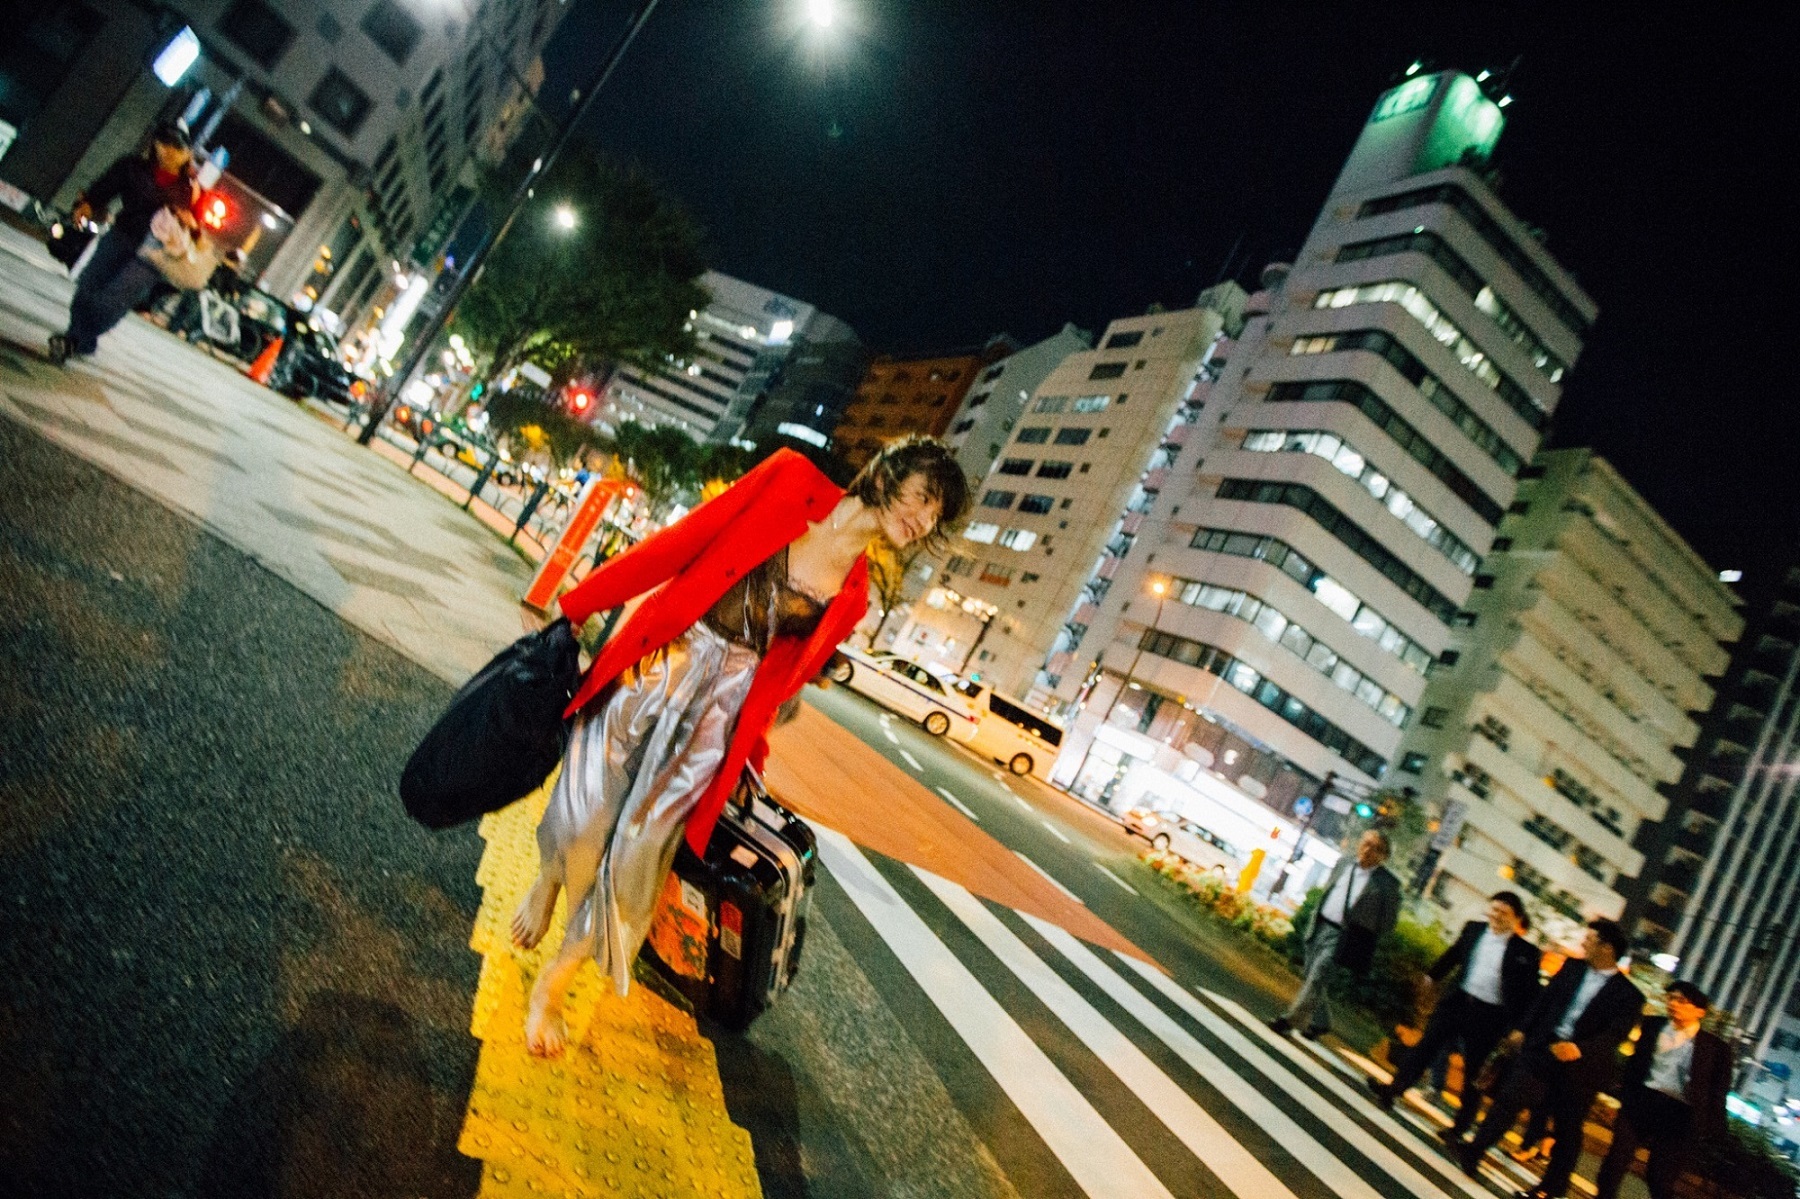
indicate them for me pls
(821, 13)
(565, 217)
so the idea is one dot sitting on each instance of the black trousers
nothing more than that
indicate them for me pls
(1539, 1079)
(1458, 1018)
(1653, 1119)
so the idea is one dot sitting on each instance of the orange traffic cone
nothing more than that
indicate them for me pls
(265, 362)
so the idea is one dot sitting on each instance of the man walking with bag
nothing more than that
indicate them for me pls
(115, 278)
(1361, 905)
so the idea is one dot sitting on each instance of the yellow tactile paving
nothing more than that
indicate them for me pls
(635, 1106)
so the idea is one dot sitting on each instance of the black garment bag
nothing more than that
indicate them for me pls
(501, 735)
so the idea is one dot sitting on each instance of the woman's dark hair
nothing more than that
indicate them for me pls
(1511, 899)
(1690, 992)
(170, 133)
(878, 483)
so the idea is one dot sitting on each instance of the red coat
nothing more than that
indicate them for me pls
(694, 562)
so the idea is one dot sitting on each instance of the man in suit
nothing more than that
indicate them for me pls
(1673, 1098)
(1496, 972)
(1567, 1045)
(1361, 904)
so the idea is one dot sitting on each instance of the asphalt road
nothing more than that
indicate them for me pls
(1085, 853)
(230, 965)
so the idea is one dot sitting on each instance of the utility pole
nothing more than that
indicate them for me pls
(1312, 813)
(471, 270)
(1161, 588)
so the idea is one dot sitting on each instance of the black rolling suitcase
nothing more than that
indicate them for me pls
(729, 927)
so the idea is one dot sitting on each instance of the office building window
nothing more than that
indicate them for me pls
(1434, 718)
(1050, 404)
(1016, 466)
(999, 576)
(258, 31)
(1037, 504)
(340, 103)
(999, 499)
(1054, 469)
(1072, 436)
(1034, 434)
(1107, 370)
(1018, 539)
(1119, 341)
(1345, 459)
(1092, 403)
(1412, 763)
(393, 30)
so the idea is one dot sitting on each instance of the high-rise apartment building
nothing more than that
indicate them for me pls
(1069, 476)
(742, 324)
(1556, 715)
(1322, 526)
(915, 394)
(1722, 889)
(999, 394)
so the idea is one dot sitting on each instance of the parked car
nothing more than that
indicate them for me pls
(1184, 838)
(907, 688)
(309, 365)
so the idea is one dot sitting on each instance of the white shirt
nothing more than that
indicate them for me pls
(1584, 995)
(1343, 897)
(1481, 974)
(1674, 1060)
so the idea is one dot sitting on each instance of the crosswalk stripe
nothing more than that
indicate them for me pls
(1259, 1108)
(1216, 1148)
(1050, 878)
(1115, 878)
(960, 805)
(1336, 1086)
(1397, 1167)
(1099, 1160)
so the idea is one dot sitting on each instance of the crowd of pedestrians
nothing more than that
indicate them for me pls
(1543, 1049)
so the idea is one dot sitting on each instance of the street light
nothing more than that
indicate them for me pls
(565, 217)
(1160, 589)
(821, 13)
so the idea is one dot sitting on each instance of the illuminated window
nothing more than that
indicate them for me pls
(1018, 539)
(1092, 403)
(981, 532)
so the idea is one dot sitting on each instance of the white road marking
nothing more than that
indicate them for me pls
(960, 805)
(911, 761)
(1049, 879)
(1055, 832)
(1261, 1110)
(1115, 878)
(1099, 1160)
(889, 734)
(1017, 798)
(1216, 1148)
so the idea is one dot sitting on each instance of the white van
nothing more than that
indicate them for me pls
(1010, 732)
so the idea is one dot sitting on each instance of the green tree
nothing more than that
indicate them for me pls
(660, 459)
(530, 426)
(617, 287)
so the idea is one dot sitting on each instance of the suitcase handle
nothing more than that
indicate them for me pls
(750, 788)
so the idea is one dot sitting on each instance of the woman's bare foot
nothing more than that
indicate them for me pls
(531, 919)
(546, 1035)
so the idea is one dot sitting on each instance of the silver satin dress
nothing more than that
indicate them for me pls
(641, 756)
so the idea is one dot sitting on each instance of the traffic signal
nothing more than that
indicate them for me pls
(214, 212)
(580, 400)
(1365, 810)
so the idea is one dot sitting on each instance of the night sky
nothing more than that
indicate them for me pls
(935, 174)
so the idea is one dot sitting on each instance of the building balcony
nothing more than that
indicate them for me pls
(1698, 842)
(1131, 523)
(1531, 791)
(1492, 822)
(1534, 657)
(1530, 712)
(1155, 479)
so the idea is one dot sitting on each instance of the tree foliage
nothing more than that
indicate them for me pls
(616, 288)
(523, 421)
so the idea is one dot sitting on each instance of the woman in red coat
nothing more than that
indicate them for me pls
(754, 591)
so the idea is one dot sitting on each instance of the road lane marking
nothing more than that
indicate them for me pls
(1055, 832)
(1308, 1098)
(1052, 881)
(911, 761)
(1204, 1137)
(1115, 878)
(889, 734)
(1098, 1159)
(960, 805)
(1261, 1110)
(1017, 798)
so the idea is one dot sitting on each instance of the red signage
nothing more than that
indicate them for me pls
(567, 551)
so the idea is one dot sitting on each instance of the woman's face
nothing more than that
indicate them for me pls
(171, 158)
(911, 512)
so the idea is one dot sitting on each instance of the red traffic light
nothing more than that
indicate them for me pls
(580, 400)
(214, 212)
